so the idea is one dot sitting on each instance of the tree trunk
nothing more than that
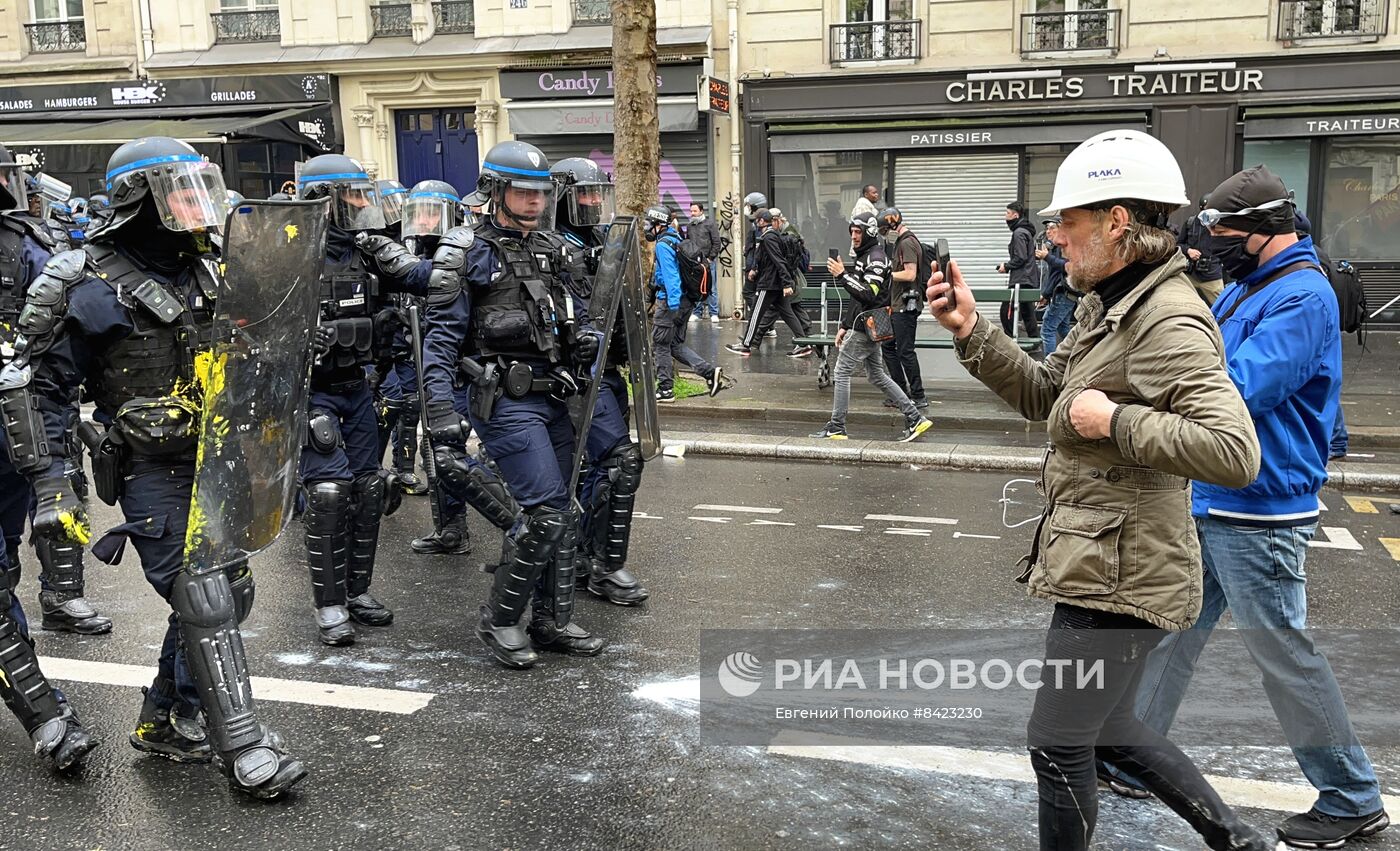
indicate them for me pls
(637, 126)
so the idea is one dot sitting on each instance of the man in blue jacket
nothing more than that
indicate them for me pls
(1055, 294)
(672, 308)
(1283, 350)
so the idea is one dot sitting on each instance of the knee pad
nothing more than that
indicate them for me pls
(203, 601)
(240, 582)
(323, 431)
(327, 503)
(624, 467)
(372, 496)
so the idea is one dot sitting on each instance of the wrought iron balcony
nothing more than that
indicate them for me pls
(454, 16)
(874, 41)
(56, 36)
(592, 13)
(1302, 20)
(389, 19)
(249, 25)
(1059, 32)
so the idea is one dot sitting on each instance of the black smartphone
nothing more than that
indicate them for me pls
(940, 256)
(833, 253)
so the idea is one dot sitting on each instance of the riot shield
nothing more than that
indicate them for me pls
(641, 370)
(255, 379)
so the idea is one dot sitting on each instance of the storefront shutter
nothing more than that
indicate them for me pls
(961, 198)
(685, 162)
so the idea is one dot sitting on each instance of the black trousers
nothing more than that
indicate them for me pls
(1069, 726)
(901, 358)
(765, 301)
(1027, 319)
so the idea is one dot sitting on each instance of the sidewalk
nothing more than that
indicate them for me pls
(776, 394)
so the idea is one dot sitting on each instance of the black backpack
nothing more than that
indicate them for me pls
(695, 272)
(1351, 296)
(928, 256)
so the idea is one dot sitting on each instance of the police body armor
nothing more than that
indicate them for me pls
(349, 291)
(12, 234)
(147, 380)
(526, 310)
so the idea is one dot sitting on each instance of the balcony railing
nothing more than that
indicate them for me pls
(391, 19)
(454, 16)
(592, 12)
(1301, 20)
(56, 36)
(1057, 32)
(874, 41)
(250, 25)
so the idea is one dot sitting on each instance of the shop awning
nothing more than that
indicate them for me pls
(279, 126)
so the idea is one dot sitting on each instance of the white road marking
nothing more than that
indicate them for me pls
(1337, 539)
(917, 533)
(1016, 768)
(1322, 506)
(644, 516)
(738, 509)
(712, 519)
(769, 523)
(900, 518)
(843, 528)
(361, 698)
(983, 537)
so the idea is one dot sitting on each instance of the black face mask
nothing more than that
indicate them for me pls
(1011, 224)
(1234, 255)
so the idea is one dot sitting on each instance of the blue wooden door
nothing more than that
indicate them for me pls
(437, 144)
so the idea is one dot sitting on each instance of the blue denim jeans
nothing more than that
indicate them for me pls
(1055, 326)
(712, 302)
(1340, 436)
(1258, 575)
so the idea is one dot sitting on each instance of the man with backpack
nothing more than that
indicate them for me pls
(678, 286)
(773, 282)
(909, 272)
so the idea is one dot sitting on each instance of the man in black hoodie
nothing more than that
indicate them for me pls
(1022, 268)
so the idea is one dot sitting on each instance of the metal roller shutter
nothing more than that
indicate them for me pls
(685, 162)
(961, 198)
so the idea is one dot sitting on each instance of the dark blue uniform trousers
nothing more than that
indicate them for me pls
(359, 430)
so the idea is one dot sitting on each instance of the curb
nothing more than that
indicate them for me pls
(947, 456)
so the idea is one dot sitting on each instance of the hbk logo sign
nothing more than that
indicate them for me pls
(138, 95)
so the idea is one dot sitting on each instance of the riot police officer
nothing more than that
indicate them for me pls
(346, 491)
(501, 314)
(24, 249)
(125, 317)
(40, 708)
(392, 197)
(608, 492)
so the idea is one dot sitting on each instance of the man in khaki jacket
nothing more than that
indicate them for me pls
(1138, 403)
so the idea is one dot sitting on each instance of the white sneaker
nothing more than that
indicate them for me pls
(693, 318)
(772, 333)
(714, 319)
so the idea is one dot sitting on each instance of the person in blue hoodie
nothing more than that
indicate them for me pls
(1283, 350)
(672, 308)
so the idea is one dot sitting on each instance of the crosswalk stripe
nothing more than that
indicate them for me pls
(842, 528)
(1361, 505)
(738, 509)
(1392, 545)
(1016, 768)
(902, 518)
(917, 533)
(1337, 539)
(392, 701)
(711, 519)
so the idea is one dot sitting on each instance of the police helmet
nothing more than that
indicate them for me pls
(890, 219)
(754, 202)
(392, 196)
(97, 203)
(188, 191)
(515, 177)
(354, 196)
(13, 195)
(432, 209)
(78, 208)
(587, 195)
(867, 223)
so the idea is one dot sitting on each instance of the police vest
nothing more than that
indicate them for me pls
(349, 292)
(171, 324)
(12, 272)
(524, 309)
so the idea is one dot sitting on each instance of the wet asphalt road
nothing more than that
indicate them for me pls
(567, 756)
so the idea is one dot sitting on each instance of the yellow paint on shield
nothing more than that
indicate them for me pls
(1361, 505)
(76, 531)
(1393, 545)
(292, 232)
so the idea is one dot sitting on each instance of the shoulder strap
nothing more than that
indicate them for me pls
(1256, 287)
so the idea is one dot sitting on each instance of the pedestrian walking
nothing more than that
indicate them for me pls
(1056, 295)
(705, 234)
(1021, 267)
(673, 305)
(908, 272)
(772, 277)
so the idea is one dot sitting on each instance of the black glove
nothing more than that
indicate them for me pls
(586, 350)
(322, 341)
(391, 258)
(59, 515)
(445, 426)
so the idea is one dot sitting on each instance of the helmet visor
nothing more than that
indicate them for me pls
(12, 193)
(392, 201)
(189, 194)
(520, 207)
(355, 206)
(590, 204)
(429, 214)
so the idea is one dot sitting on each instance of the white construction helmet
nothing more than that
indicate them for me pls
(1126, 164)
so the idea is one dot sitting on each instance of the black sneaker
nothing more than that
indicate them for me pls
(719, 381)
(665, 396)
(739, 349)
(800, 352)
(831, 432)
(921, 404)
(163, 732)
(1118, 786)
(914, 429)
(1313, 829)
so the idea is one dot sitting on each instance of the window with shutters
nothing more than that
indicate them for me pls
(1069, 26)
